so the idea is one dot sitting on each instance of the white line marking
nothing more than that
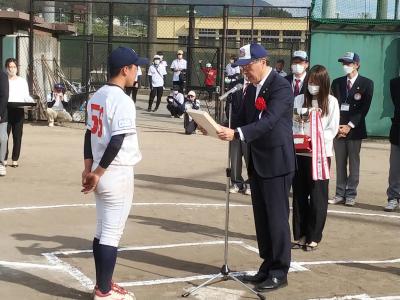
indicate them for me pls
(363, 214)
(134, 204)
(359, 297)
(135, 248)
(336, 262)
(85, 281)
(22, 265)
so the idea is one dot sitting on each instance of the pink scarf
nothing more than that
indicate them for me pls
(320, 167)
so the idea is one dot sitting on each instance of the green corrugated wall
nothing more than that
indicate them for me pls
(380, 61)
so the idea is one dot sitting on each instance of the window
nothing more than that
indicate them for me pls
(205, 32)
(269, 35)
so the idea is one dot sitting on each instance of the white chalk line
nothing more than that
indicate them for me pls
(359, 297)
(24, 265)
(187, 204)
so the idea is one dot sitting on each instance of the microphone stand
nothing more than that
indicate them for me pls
(225, 273)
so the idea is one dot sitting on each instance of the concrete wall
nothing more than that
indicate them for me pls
(380, 61)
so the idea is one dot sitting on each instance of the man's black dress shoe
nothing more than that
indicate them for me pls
(271, 283)
(257, 278)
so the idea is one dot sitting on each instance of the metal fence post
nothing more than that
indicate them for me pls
(189, 49)
(110, 26)
(31, 45)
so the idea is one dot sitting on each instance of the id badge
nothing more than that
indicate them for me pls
(345, 107)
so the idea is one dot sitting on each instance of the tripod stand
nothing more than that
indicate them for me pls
(225, 272)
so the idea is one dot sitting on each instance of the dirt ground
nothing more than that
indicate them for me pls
(174, 235)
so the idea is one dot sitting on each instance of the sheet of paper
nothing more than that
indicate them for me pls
(203, 119)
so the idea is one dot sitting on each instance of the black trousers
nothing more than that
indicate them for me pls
(310, 202)
(156, 91)
(270, 198)
(132, 92)
(180, 84)
(15, 124)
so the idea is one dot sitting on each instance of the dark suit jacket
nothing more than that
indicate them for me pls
(290, 79)
(395, 129)
(359, 99)
(3, 96)
(269, 139)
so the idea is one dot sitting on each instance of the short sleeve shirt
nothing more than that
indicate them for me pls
(178, 64)
(157, 75)
(111, 112)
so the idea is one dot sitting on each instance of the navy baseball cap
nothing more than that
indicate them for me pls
(124, 56)
(349, 57)
(249, 53)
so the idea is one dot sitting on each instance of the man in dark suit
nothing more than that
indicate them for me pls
(393, 191)
(354, 93)
(3, 120)
(265, 124)
(299, 68)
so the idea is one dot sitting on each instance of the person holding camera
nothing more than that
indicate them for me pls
(156, 75)
(175, 103)
(56, 102)
(190, 103)
(179, 66)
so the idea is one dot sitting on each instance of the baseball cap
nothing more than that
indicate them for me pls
(300, 54)
(192, 93)
(156, 57)
(124, 56)
(350, 57)
(179, 52)
(250, 52)
(59, 86)
(208, 65)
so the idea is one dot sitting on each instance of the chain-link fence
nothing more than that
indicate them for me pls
(206, 32)
(359, 11)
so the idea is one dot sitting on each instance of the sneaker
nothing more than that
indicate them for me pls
(3, 171)
(14, 164)
(247, 191)
(350, 202)
(116, 293)
(234, 189)
(336, 200)
(5, 163)
(392, 205)
(51, 124)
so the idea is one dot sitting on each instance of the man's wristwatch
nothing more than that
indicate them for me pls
(236, 135)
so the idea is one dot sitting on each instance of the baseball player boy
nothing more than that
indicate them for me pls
(110, 152)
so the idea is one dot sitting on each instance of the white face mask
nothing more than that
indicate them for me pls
(231, 61)
(313, 89)
(347, 69)
(12, 72)
(156, 61)
(297, 69)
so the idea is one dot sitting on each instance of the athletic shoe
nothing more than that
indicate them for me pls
(336, 200)
(51, 124)
(392, 205)
(3, 171)
(116, 293)
(247, 191)
(350, 202)
(5, 163)
(234, 189)
(14, 164)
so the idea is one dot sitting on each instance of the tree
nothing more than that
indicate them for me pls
(273, 12)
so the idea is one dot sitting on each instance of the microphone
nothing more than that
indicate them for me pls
(236, 88)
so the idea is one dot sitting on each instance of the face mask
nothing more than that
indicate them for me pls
(231, 61)
(347, 69)
(156, 61)
(313, 89)
(175, 92)
(297, 69)
(179, 56)
(12, 72)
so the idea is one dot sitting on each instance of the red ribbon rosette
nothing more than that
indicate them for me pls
(260, 104)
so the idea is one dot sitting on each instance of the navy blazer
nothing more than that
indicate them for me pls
(269, 139)
(359, 99)
(290, 79)
(395, 129)
(3, 96)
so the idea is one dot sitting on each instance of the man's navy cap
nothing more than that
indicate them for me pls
(350, 57)
(250, 52)
(124, 56)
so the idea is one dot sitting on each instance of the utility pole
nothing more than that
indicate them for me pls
(152, 27)
(252, 20)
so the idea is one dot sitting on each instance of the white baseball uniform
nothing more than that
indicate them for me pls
(111, 112)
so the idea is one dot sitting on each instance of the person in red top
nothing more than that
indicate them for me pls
(210, 78)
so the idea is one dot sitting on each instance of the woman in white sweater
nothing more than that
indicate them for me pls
(18, 92)
(310, 197)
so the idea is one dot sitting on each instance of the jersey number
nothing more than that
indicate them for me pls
(97, 120)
